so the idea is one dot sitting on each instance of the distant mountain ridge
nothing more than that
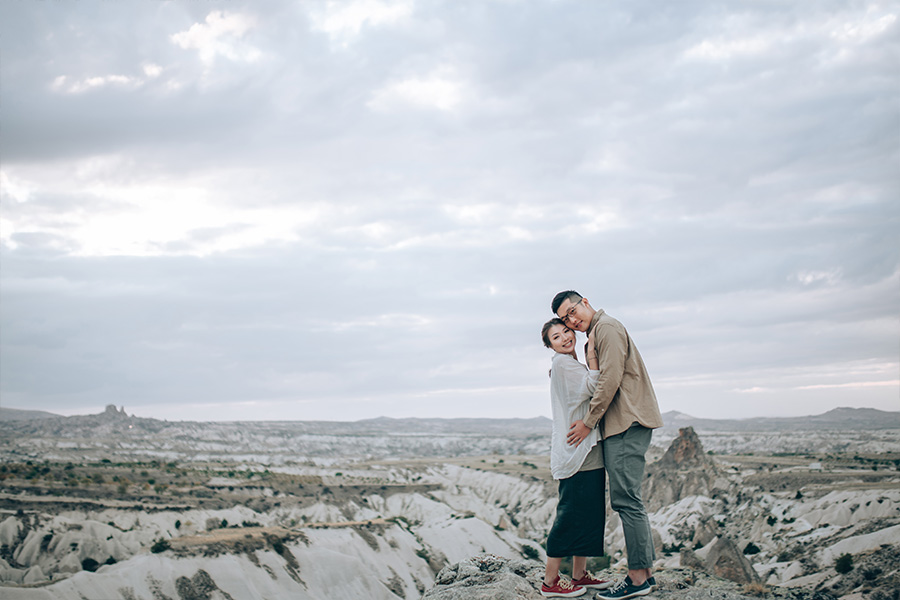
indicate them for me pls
(835, 419)
(18, 414)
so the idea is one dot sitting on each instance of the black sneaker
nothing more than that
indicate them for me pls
(652, 581)
(625, 589)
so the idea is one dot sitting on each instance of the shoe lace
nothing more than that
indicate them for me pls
(621, 585)
(589, 575)
(565, 584)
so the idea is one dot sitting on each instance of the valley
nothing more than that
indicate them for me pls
(97, 509)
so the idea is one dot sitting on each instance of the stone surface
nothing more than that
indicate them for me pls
(690, 560)
(705, 532)
(488, 577)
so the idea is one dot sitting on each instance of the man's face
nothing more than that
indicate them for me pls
(576, 314)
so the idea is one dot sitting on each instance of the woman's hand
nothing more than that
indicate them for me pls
(577, 432)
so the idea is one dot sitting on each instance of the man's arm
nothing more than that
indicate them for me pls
(610, 344)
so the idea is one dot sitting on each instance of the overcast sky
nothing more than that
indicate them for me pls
(218, 210)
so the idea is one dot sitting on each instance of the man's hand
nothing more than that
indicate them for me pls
(577, 432)
(592, 361)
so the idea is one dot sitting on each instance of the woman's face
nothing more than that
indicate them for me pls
(562, 339)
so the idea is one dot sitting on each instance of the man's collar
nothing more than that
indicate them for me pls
(594, 320)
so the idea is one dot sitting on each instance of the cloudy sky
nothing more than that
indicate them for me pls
(217, 210)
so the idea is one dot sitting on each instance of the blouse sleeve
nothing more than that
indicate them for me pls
(579, 383)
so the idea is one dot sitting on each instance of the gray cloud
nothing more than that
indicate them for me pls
(235, 210)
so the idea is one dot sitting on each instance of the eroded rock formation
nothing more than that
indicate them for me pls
(684, 470)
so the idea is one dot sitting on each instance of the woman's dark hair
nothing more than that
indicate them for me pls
(547, 327)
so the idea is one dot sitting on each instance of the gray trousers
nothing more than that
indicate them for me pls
(624, 458)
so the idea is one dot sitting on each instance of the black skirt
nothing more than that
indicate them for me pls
(580, 516)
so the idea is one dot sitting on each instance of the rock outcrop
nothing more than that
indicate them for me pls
(727, 561)
(684, 470)
(489, 577)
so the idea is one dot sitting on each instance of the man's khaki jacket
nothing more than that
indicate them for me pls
(624, 394)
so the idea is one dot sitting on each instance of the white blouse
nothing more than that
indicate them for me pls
(571, 388)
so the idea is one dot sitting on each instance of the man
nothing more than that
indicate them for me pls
(624, 405)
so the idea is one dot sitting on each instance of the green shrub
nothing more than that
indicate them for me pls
(844, 564)
(530, 552)
(160, 545)
(871, 574)
(278, 546)
(751, 548)
(89, 564)
(672, 548)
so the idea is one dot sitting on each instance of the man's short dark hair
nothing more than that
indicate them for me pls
(562, 297)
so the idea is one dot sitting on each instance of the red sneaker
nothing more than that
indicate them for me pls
(563, 588)
(590, 581)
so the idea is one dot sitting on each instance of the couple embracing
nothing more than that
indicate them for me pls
(603, 417)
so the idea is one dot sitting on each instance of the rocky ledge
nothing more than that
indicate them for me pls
(490, 577)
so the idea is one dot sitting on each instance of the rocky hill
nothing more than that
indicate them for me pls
(16, 414)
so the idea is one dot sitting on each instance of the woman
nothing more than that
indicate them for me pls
(581, 512)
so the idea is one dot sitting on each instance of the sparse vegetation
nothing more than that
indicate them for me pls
(672, 548)
(278, 546)
(756, 589)
(160, 545)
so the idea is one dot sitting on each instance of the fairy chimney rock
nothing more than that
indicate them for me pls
(686, 451)
(684, 470)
